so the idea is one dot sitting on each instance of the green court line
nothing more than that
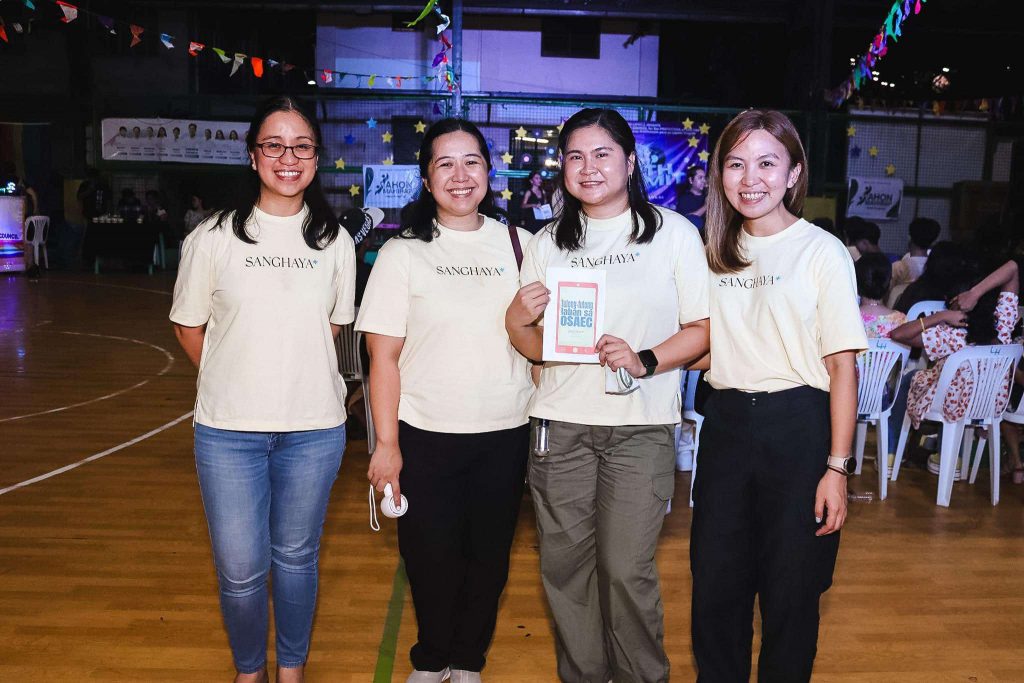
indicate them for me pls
(392, 622)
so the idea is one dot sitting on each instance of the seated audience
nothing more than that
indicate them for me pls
(873, 277)
(946, 266)
(863, 235)
(923, 231)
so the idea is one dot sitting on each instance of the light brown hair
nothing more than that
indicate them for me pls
(723, 223)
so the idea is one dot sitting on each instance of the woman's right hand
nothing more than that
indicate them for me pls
(385, 465)
(953, 318)
(528, 305)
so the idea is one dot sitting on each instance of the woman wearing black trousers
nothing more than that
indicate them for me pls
(770, 493)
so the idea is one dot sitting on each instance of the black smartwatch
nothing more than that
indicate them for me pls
(649, 361)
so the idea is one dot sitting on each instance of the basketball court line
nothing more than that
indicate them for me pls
(170, 363)
(96, 456)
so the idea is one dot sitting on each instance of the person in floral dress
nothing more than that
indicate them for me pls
(874, 274)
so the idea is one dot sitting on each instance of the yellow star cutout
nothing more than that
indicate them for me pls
(873, 151)
(339, 164)
(386, 137)
(890, 169)
(851, 131)
(703, 156)
(353, 190)
(687, 123)
(506, 194)
(694, 141)
(559, 126)
(704, 129)
(417, 155)
(521, 133)
(420, 126)
(507, 157)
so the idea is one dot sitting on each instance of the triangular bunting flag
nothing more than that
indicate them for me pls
(136, 34)
(3, 31)
(373, 79)
(287, 67)
(195, 48)
(223, 55)
(391, 81)
(327, 76)
(167, 40)
(257, 66)
(18, 28)
(239, 58)
(398, 81)
(31, 5)
(107, 23)
(70, 12)
(271, 63)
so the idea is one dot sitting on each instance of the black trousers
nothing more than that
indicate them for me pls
(464, 492)
(761, 458)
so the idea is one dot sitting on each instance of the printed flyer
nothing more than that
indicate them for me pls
(574, 319)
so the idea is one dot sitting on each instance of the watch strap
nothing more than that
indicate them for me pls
(648, 360)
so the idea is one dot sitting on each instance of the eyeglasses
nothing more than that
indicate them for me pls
(275, 150)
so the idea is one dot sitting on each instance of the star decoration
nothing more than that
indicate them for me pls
(687, 123)
(417, 155)
(386, 136)
(693, 142)
(521, 132)
(350, 139)
(388, 162)
(704, 129)
(703, 156)
(559, 126)
(371, 122)
(353, 190)
(872, 151)
(506, 194)
(421, 127)
(890, 169)
(507, 157)
(339, 164)
(855, 152)
(851, 131)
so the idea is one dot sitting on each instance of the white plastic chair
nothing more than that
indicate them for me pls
(1016, 416)
(875, 369)
(916, 311)
(993, 368)
(688, 388)
(37, 230)
(925, 308)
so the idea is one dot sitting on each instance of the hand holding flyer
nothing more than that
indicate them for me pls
(574, 320)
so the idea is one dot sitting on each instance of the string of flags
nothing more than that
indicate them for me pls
(443, 74)
(891, 29)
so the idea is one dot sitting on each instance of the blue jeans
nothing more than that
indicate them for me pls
(265, 496)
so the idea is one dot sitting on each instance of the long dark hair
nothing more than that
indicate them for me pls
(418, 216)
(982, 324)
(320, 228)
(722, 223)
(571, 223)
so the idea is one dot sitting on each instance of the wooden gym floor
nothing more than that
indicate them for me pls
(106, 575)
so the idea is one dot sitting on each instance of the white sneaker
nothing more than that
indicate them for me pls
(934, 461)
(463, 676)
(428, 676)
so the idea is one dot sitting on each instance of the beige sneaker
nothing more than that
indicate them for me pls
(463, 676)
(935, 459)
(428, 676)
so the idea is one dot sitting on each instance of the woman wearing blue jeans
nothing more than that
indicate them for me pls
(263, 288)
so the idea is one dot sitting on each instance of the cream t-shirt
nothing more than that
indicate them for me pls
(447, 299)
(269, 362)
(652, 289)
(774, 321)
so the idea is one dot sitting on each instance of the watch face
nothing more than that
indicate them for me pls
(850, 465)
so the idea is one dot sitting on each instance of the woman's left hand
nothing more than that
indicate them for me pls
(615, 353)
(830, 503)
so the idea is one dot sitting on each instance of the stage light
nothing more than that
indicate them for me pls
(526, 159)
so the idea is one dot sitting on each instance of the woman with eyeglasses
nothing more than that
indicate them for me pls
(263, 288)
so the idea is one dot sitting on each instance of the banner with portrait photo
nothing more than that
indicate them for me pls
(876, 199)
(184, 141)
(665, 151)
(390, 187)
